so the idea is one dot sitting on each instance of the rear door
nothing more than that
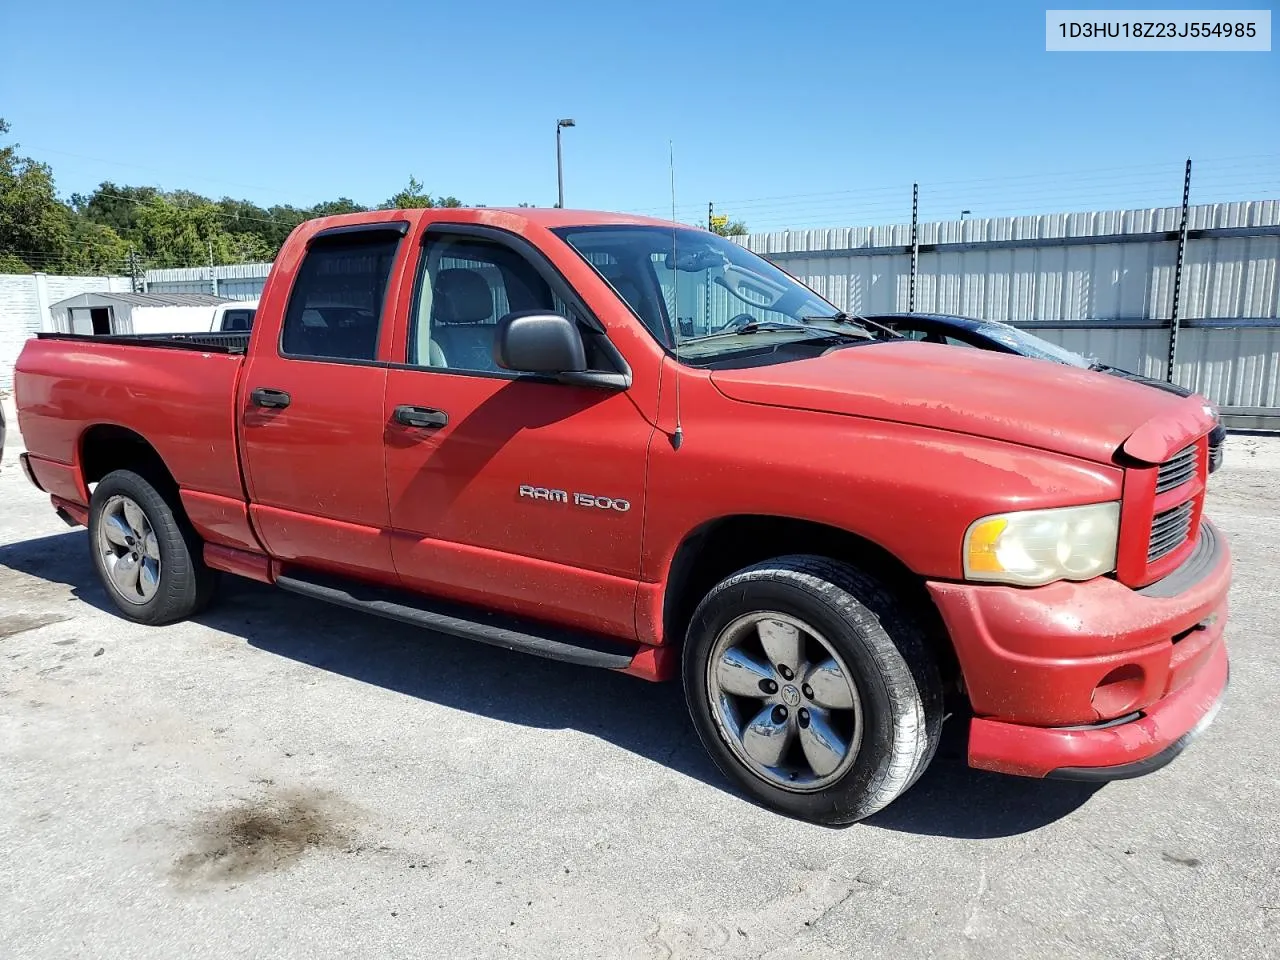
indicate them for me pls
(511, 491)
(311, 404)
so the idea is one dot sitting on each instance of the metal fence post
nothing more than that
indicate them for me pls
(706, 287)
(915, 246)
(1177, 272)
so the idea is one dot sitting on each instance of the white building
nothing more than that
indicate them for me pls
(136, 313)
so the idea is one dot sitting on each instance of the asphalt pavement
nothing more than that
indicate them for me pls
(284, 779)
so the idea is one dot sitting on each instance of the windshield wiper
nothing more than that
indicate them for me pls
(857, 320)
(756, 326)
(767, 326)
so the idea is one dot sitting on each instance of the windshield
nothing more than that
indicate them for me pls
(702, 291)
(1029, 345)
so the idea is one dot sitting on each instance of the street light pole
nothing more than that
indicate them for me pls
(560, 125)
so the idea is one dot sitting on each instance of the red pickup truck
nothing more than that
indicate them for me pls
(634, 445)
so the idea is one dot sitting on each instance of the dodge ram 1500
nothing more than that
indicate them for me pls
(634, 445)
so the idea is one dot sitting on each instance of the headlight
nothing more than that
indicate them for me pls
(1031, 547)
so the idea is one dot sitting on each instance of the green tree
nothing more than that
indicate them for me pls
(95, 249)
(35, 226)
(113, 206)
(728, 228)
(9, 263)
(244, 248)
(96, 232)
(242, 216)
(409, 198)
(413, 197)
(284, 218)
(331, 208)
(170, 234)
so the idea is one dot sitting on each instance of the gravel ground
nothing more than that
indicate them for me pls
(283, 779)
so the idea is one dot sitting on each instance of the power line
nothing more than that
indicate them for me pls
(1135, 173)
(1029, 199)
(1082, 188)
(1126, 198)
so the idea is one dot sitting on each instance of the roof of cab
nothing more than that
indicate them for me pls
(555, 217)
(507, 217)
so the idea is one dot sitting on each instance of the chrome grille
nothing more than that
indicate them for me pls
(1169, 530)
(1177, 470)
(1215, 455)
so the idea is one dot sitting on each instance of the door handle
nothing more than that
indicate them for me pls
(428, 417)
(267, 397)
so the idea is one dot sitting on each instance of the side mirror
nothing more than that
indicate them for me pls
(533, 341)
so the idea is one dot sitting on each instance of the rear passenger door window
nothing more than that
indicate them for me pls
(336, 305)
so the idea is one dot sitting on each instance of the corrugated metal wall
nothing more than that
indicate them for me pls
(240, 281)
(1100, 283)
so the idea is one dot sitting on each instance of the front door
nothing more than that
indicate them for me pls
(311, 409)
(513, 492)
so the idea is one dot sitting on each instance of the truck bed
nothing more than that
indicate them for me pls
(176, 390)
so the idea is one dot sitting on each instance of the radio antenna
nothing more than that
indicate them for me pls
(677, 438)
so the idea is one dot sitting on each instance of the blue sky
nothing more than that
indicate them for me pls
(785, 114)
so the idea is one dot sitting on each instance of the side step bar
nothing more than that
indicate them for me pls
(459, 621)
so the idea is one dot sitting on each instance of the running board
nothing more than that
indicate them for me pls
(471, 624)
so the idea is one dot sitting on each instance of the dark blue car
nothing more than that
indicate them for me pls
(1003, 338)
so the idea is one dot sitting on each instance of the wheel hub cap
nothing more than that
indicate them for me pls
(784, 701)
(130, 553)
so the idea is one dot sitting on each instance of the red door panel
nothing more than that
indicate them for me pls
(314, 469)
(312, 445)
(462, 527)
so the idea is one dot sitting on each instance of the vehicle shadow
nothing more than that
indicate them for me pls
(647, 719)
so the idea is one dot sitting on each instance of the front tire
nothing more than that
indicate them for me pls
(813, 688)
(147, 555)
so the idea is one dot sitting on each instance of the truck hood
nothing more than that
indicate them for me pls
(999, 396)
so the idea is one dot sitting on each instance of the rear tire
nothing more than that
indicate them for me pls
(843, 731)
(148, 557)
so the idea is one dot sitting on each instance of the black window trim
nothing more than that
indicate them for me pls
(399, 228)
(618, 379)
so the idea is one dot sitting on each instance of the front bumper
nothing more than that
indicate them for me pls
(1092, 680)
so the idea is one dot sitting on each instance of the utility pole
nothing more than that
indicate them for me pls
(560, 125)
(706, 287)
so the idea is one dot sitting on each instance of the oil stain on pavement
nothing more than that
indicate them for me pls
(260, 836)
